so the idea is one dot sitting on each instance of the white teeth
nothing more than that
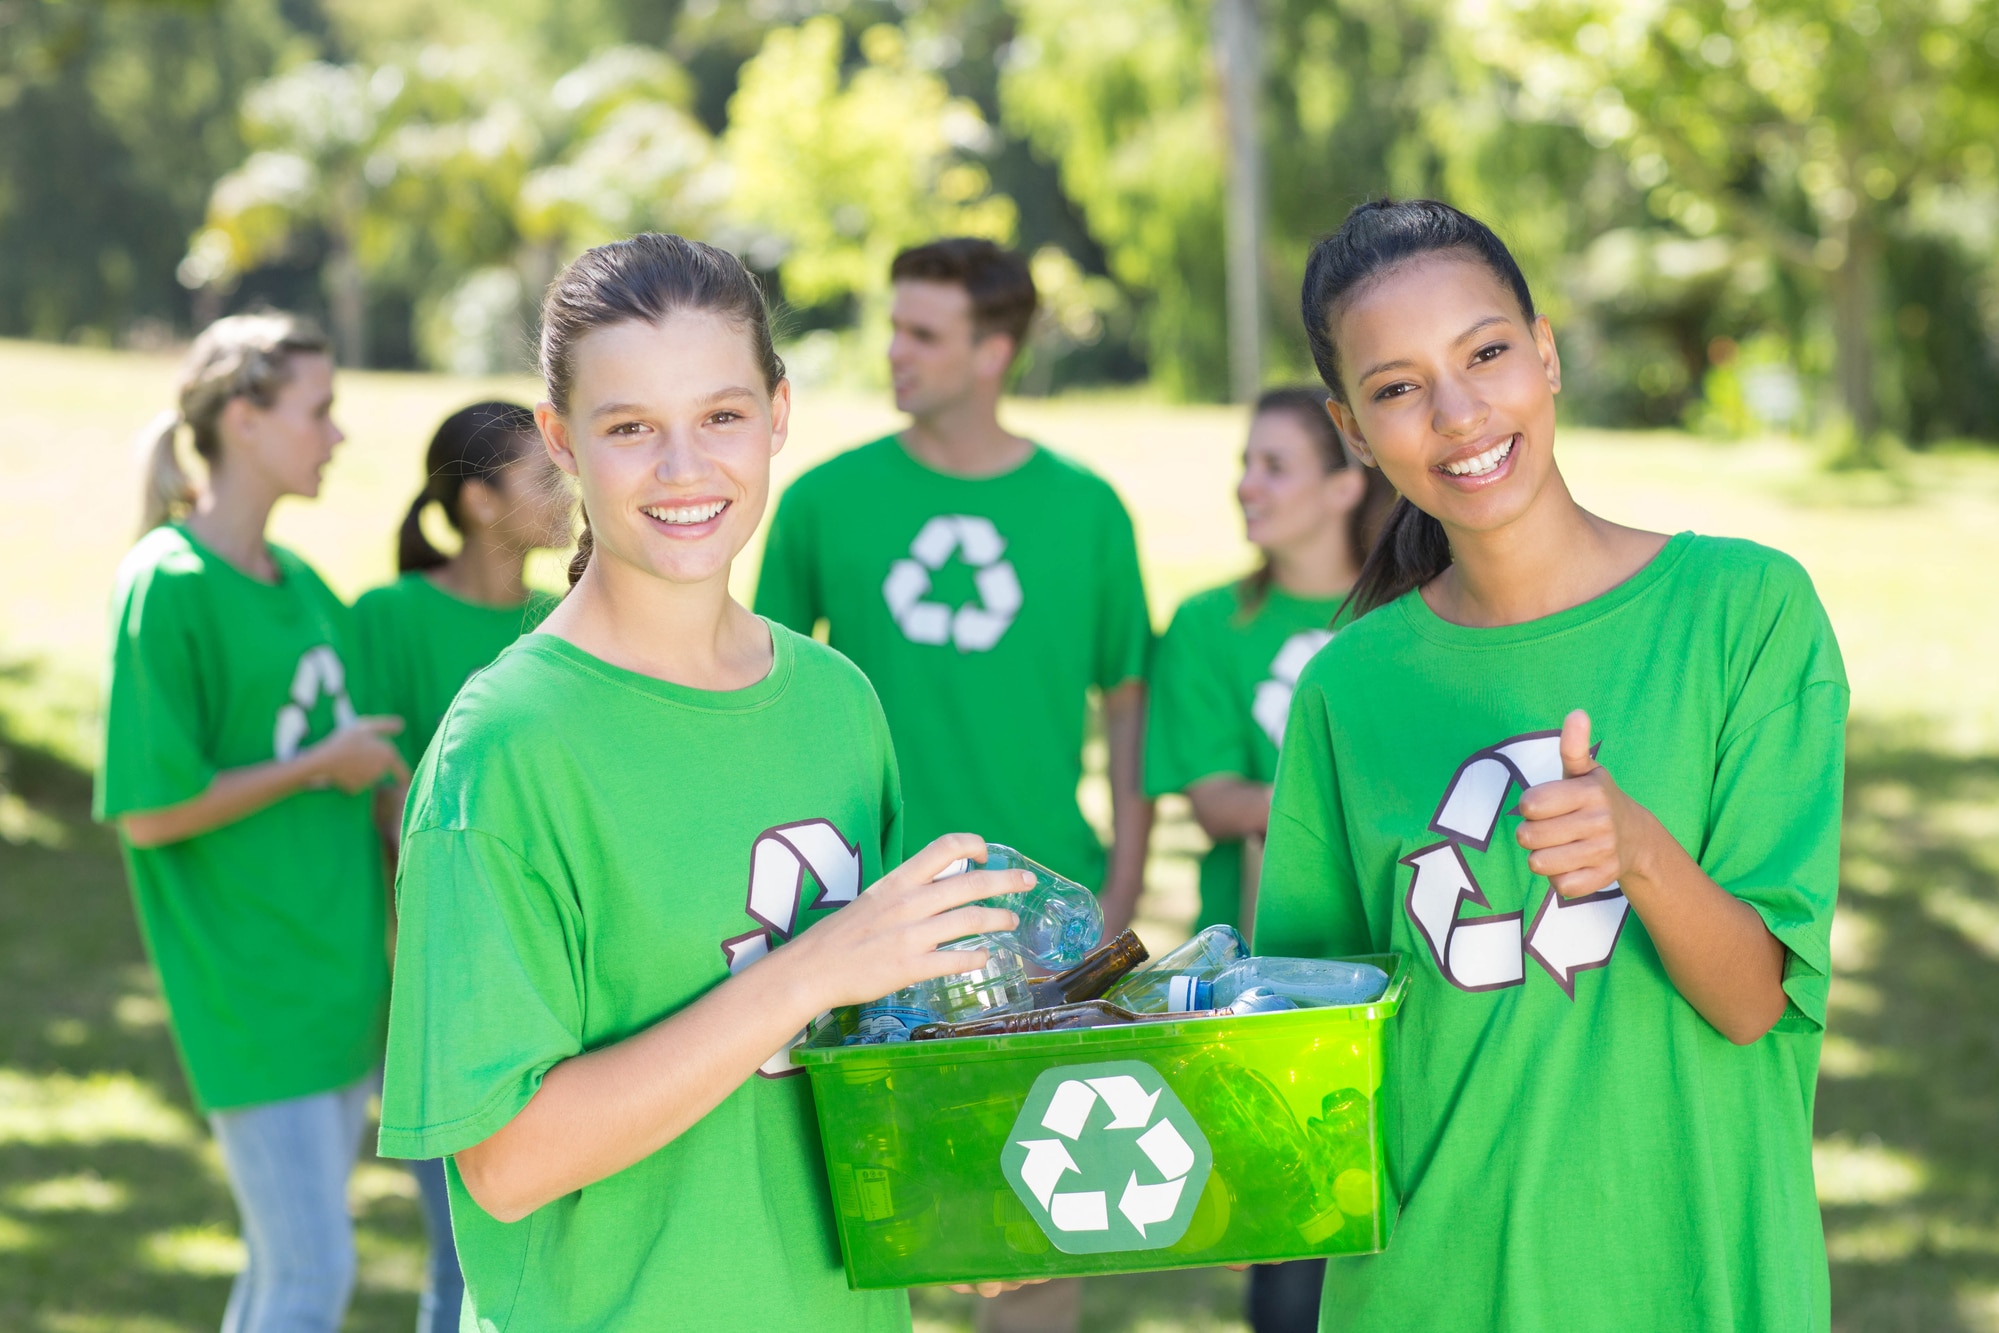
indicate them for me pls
(685, 514)
(1483, 463)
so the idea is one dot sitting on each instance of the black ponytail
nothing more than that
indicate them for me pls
(1376, 237)
(475, 443)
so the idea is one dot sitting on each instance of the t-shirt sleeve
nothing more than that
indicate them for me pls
(1773, 836)
(787, 584)
(1124, 645)
(1193, 725)
(373, 679)
(155, 755)
(486, 999)
(1308, 902)
(1774, 821)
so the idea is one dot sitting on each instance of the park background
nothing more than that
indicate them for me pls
(1767, 232)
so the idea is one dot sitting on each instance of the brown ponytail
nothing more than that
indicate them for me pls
(1376, 236)
(645, 279)
(241, 356)
(585, 544)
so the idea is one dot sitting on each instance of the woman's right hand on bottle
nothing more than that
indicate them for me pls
(357, 757)
(887, 938)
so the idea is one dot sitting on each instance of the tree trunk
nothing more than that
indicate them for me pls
(1856, 304)
(1239, 58)
(346, 300)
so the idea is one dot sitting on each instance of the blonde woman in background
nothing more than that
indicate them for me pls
(239, 778)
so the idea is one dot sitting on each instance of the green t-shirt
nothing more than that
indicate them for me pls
(1221, 691)
(419, 644)
(1577, 1147)
(268, 933)
(983, 611)
(587, 850)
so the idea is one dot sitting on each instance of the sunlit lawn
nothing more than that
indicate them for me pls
(114, 1217)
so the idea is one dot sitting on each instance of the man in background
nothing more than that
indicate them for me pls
(986, 586)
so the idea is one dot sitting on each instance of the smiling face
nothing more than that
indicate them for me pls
(936, 357)
(287, 445)
(670, 432)
(1450, 389)
(1289, 498)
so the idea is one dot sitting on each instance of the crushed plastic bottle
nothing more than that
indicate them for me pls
(1060, 920)
(1154, 988)
(1255, 985)
(893, 1017)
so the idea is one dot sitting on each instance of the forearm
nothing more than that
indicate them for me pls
(233, 794)
(596, 1114)
(1229, 808)
(1131, 812)
(1715, 947)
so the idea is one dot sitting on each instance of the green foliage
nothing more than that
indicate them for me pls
(1118, 93)
(114, 121)
(1812, 136)
(841, 169)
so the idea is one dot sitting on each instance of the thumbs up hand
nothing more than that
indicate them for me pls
(1582, 831)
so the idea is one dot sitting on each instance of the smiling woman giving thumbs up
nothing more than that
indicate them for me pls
(1616, 921)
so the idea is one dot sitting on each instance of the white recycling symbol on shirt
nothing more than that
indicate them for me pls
(1567, 935)
(780, 858)
(1272, 706)
(1107, 1158)
(973, 627)
(319, 674)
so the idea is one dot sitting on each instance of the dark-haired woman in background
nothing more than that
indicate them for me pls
(423, 636)
(1617, 984)
(1221, 686)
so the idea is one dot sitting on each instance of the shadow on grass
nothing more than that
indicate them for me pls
(114, 1214)
(1908, 1102)
(114, 1217)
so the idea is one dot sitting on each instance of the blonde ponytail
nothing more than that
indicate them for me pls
(239, 356)
(169, 490)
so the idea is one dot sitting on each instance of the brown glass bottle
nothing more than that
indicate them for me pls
(1061, 1018)
(1101, 968)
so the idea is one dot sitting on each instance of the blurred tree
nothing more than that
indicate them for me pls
(114, 121)
(1119, 94)
(1818, 132)
(457, 182)
(841, 169)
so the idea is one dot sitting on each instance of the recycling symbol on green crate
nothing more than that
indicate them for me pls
(1106, 1158)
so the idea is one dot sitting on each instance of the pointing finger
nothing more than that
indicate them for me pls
(1576, 759)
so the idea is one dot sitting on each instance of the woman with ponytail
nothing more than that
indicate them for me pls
(239, 776)
(446, 616)
(1585, 780)
(587, 1021)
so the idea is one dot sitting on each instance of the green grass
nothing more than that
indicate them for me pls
(114, 1216)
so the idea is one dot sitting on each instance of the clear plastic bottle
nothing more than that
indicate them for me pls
(1257, 985)
(1060, 920)
(1155, 988)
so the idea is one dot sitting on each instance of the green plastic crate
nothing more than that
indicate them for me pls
(1109, 1150)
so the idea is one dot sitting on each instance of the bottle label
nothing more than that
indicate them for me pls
(1187, 993)
(889, 1022)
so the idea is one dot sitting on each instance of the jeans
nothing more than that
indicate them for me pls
(1284, 1298)
(437, 1312)
(288, 1164)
